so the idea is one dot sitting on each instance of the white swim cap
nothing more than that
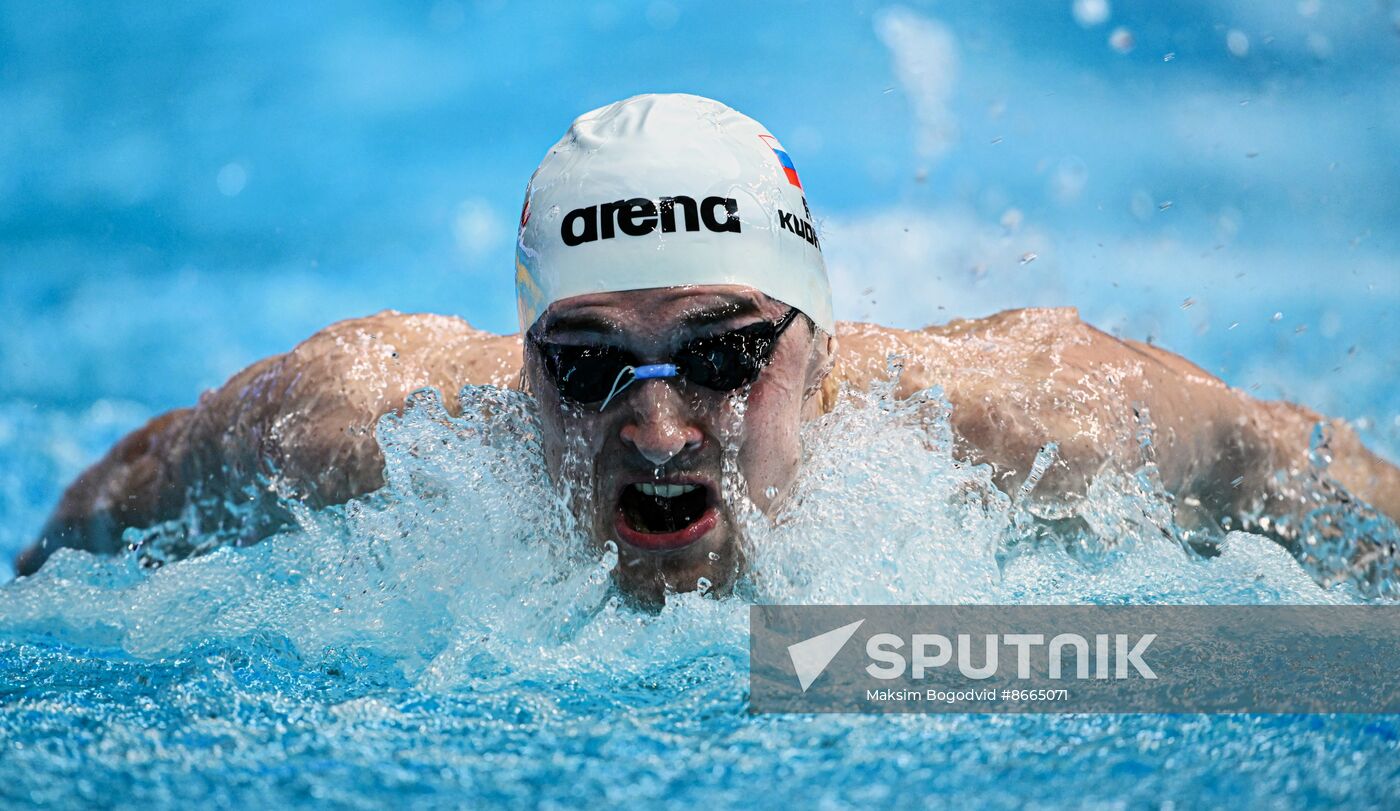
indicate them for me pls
(662, 191)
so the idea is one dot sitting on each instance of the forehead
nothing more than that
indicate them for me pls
(658, 312)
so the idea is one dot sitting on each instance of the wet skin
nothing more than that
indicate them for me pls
(672, 431)
(1016, 381)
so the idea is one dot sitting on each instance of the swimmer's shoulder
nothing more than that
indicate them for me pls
(426, 346)
(1024, 324)
(964, 354)
(1060, 335)
(341, 379)
(311, 412)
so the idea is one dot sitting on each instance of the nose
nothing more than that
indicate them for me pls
(659, 426)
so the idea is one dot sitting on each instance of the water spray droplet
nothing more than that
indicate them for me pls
(1089, 13)
(231, 179)
(1238, 44)
(1121, 40)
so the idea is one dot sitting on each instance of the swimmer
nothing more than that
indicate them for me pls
(673, 304)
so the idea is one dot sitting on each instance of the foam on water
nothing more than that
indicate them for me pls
(453, 632)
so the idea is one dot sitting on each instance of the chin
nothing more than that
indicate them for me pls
(647, 574)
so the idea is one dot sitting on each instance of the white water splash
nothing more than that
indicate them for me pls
(467, 565)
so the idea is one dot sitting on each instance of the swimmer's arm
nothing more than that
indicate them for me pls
(135, 485)
(305, 419)
(1286, 435)
(1260, 451)
(1025, 378)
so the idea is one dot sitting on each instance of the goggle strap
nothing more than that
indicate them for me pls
(616, 388)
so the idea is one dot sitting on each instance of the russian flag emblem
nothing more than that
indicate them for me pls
(788, 168)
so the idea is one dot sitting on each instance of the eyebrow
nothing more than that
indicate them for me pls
(587, 322)
(718, 314)
(582, 322)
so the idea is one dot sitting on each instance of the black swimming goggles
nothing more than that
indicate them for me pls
(586, 374)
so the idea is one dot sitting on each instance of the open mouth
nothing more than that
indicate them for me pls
(664, 515)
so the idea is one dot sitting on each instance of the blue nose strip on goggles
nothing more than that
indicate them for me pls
(653, 371)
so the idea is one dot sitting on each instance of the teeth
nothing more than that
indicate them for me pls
(666, 490)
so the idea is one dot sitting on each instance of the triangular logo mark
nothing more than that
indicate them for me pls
(811, 656)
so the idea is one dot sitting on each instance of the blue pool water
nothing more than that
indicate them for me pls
(184, 191)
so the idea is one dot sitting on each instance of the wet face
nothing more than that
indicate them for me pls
(662, 468)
